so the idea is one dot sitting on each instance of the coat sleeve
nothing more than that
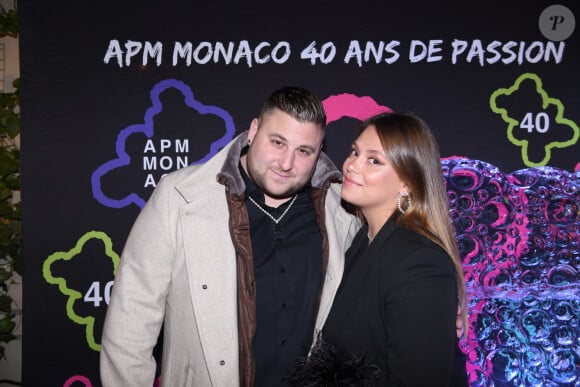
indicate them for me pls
(419, 315)
(136, 309)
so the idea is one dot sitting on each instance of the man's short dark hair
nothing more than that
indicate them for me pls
(298, 102)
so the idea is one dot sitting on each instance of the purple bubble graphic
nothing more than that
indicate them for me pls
(519, 238)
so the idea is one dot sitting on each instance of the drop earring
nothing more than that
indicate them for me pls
(409, 201)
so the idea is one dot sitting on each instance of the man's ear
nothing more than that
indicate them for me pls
(253, 129)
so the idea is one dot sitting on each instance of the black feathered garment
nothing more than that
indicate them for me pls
(395, 310)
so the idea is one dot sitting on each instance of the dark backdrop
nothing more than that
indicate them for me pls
(497, 81)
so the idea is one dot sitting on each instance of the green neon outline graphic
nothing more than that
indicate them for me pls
(546, 101)
(74, 295)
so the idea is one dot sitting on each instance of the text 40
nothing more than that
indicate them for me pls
(93, 294)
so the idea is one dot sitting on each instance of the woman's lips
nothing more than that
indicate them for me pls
(347, 181)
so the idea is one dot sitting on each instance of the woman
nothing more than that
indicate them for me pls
(392, 322)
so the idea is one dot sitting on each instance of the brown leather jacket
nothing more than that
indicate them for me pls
(325, 174)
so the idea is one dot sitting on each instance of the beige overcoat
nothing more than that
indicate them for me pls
(178, 268)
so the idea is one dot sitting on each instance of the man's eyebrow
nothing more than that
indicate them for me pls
(308, 147)
(278, 136)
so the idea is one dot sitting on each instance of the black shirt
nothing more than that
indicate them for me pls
(288, 268)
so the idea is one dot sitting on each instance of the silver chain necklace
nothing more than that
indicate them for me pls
(270, 215)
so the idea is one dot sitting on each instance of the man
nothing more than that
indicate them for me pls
(238, 258)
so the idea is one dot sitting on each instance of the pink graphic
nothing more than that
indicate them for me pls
(87, 383)
(77, 378)
(349, 105)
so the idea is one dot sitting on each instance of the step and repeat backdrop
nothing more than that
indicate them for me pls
(115, 95)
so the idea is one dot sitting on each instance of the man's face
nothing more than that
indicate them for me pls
(282, 155)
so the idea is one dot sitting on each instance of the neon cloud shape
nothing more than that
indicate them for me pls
(514, 123)
(148, 129)
(72, 294)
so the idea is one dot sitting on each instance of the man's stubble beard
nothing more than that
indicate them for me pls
(260, 181)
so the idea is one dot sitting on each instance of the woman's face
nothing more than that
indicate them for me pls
(370, 182)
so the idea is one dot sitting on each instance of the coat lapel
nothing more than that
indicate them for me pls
(210, 260)
(356, 272)
(341, 228)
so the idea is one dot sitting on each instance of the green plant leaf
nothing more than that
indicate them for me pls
(5, 304)
(7, 325)
(5, 338)
(12, 125)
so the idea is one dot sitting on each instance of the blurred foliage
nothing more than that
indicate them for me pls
(10, 209)
(8, 23)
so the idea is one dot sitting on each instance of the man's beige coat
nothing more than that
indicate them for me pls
(178, 268)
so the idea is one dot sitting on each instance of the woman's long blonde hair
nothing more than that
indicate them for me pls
(413, 152)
